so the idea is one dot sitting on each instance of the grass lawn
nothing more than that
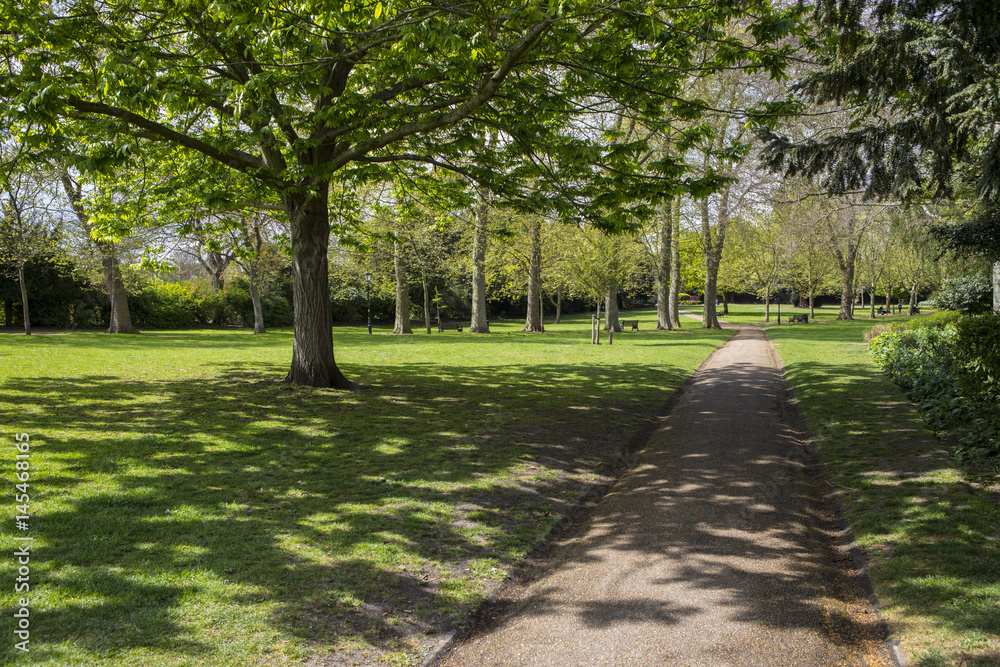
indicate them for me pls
(188, 508)
(740, 313)
(931, 533)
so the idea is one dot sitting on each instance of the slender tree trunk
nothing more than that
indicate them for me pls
(663, 267)
(427, 301)
(846, 263)
(675, 265)
(24, 298)
(725, 302)
(402, 325)
(996, 287)
(872, 295)
(121, 318)
(557, 302)
(258, 309)
(532, 321)
(767, 305)
(611, 310)
(313, 364)
(597, 324)
(812, 304)
(912, 310)
(479, 323)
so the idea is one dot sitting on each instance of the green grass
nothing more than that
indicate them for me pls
(932, 534)
(754, 313)
(188, 508)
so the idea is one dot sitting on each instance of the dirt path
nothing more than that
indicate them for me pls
(716, 548)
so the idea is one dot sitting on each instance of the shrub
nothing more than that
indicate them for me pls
(968, 294)
(161, 305)
(935, 320)
(950, 371)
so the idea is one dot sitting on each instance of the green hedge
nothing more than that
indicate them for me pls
(950, 366)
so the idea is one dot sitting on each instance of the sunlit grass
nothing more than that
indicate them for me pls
(933, 539)
(188, 508)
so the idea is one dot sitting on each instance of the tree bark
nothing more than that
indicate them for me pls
(24, 298)
(871, 294)
(725, 302)
(611, 310)
(912, 309)
(663, 267)
(402, 325)
(258, 310)
(996, 287)
(713, 256)
(313, 364)
(532, 320)
(557, 302)
(675, 265)
(480, 323)
(427, 301)
(767, 304)
(215, 264)
(846, 263)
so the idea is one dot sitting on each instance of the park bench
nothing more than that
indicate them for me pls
(633, 323)
(449, 326)
(803, 319)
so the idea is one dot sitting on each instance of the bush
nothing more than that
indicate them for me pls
(951, 372)
(968, 294)
(935, 320)
(161, 305)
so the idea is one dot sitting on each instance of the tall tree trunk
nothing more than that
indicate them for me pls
(767, 304)
(725, 302)
(713, 256)
(871, 294)
(596, 325)
(663, 267)
(258, 310)
(557, 302)
(24, 298)
(812, 303)
(611, 310)
(313, 364)
(532, 321)
(912, 310)
(479, 324)
(427, 300)
(675, 265)
(121, 318)
(846, 263)
(996, 287)
(402, 325)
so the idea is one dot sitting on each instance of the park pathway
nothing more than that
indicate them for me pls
(716, 548)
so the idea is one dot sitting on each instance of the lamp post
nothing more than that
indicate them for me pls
(779, 302)
(368, 285)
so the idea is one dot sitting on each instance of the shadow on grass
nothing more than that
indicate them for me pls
(931, 537)
(335, 515)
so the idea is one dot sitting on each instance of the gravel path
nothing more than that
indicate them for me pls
(718, 547)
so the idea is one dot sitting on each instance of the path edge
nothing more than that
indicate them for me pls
(833, 495)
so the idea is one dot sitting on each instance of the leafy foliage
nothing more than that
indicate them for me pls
(968, 294)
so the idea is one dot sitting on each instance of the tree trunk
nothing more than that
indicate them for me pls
(402, 325)
(215, 264)
(557, 302)
(8, 313)
(532, 320)
(313, 364)
(996, 287)
(596, 325)
(663, 267)
(675, 265)
(871, 294)
(24, 298)
(847, 286)
(767, 304)
(725, 302)
(709, 319)
(611, 310)
(258, 310)
(912, 310)
(812, 304)
(427, 301)
(479, 324)
(121, 319)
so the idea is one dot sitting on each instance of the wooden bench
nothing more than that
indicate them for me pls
(802, 319)
(449, 325)
(634, 324)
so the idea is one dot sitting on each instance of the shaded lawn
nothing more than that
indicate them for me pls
(931, 534)
(753, 313)
(189, 509)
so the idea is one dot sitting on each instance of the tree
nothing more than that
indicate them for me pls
(298, 100)
(27, 232)
(926, 125)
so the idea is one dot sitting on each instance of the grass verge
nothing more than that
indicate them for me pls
(187, 508)
(930, 532)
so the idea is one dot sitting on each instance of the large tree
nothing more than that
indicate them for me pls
(299, 96)
(928, 121)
